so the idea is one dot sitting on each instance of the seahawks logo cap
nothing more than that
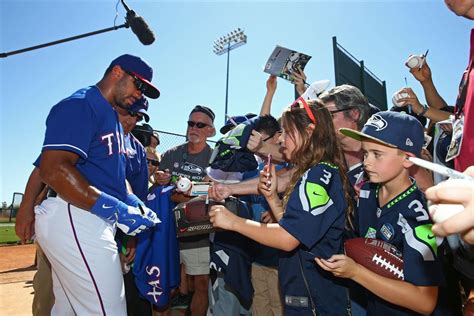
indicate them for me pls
(393, 129)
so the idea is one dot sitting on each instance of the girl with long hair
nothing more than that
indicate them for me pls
(311, 216)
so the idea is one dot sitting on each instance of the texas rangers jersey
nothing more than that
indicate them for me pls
(137, 168)
(405, 223)
(87, 125)
(315, 215)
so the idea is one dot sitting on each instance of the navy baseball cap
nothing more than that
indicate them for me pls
(393, 129)
(140, 106)
(229, 124)
(140, 69)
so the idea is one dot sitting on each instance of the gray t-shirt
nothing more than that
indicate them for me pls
(192, 166)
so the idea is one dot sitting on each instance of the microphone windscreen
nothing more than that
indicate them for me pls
(140, 28)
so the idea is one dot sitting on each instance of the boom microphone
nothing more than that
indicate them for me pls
(139, 26)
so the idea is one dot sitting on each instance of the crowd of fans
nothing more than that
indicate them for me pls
(326, 170)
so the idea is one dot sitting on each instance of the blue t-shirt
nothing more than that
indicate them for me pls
(405, 223)
(315, 215)
(87, 125)
(137, 167)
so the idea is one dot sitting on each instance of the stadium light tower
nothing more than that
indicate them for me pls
(225, 44)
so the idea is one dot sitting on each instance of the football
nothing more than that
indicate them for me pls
(376, 255)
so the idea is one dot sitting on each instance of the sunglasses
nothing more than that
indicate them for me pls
(139, 84)
(300, 103)
(197, 124)
(155, 163)
(341, 110)
(138, 115)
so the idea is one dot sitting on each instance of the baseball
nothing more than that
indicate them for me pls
(183, 185)
(441, 212)
(414, 61)
(397, 96)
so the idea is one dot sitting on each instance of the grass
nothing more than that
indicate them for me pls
(7, 234)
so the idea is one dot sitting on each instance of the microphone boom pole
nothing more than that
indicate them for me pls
(113, 28)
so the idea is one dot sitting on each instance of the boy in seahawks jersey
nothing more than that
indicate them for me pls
(392, 208)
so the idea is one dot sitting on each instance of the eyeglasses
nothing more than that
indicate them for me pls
(153, 162)
(197, 124)
(138, 115)
(300, 103)
(341, 110)
(139, 84)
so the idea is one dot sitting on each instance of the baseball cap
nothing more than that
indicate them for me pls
(141, 69)
(205, 110)
(393, 129)
(140, 106)
(229, 124)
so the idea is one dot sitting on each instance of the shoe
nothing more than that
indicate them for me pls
(180, 301)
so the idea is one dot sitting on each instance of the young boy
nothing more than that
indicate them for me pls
(392, 208)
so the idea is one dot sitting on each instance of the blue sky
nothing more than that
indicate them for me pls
(382, 33)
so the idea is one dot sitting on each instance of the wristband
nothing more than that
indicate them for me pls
(106, 206)
(425, 109)
(133, 200)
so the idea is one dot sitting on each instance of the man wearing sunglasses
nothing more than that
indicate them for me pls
(190, 160)
(83, 159)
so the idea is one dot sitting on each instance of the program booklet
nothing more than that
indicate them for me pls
(283, 62)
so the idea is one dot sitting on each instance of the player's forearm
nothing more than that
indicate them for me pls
(432, 96)
(69, 183)
(33, 189)
(272, 235)
(417, 298)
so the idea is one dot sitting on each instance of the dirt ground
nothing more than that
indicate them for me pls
(17, 268)
(16, 275)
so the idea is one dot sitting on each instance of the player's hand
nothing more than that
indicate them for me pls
(255, 142)
(133, 200)
(25, 222)
(162, 177)
(268, 183)
(131, 221)
(340, 265)
(221, 217)
(422, 74)
(271, 84)
(219, 191)
(455, 191)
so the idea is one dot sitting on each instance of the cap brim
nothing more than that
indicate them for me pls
(151, 91)
(352, 133)
(224, 129)
(145, 115)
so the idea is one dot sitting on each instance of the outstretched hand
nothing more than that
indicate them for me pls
(219, 191)
(455, 191)
(221, 217)
(421, 74)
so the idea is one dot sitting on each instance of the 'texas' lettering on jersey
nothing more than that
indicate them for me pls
(109, 140)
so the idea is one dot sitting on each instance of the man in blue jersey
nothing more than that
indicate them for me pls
(83, 159)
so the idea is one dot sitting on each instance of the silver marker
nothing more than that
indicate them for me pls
(453, 174)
